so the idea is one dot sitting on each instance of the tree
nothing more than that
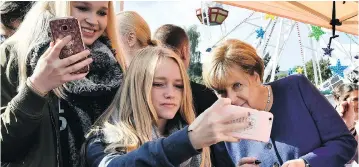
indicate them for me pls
(195, 67)
(266, 60)
(324, 68)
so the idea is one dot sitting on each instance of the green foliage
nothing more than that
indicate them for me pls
(324, 67)
(266, 59)
(195, 67)
(281, 75)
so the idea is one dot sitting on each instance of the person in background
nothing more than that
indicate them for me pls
(147, 123)
(302, 133)
(346, 98)
(176, 38)
(47, 109)
(11, 15)
(134, 33)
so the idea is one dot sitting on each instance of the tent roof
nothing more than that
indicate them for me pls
(317, 13)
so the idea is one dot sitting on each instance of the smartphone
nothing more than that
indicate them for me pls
(260, 124)
(62, 27)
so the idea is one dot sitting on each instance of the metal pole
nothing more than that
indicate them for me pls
(315, 61)
(318, 64)
(118, 5)
(276, 51)
(285, 41)
(122, 3)
(260, 42)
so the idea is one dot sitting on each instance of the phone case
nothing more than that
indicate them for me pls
(260, 127)
(64, 26)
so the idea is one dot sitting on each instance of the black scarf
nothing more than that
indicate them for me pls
(86, 99)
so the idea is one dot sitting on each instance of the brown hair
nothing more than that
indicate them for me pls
(229, 54)
(173, 36)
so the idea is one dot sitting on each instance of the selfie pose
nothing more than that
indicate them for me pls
(176, 38)
(302, 132)
(47, 106)
(147, 123)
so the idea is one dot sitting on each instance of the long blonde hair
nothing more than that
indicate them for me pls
(128, 122)
(130, 21)
(34, 28)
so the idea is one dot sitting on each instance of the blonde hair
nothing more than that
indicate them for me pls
(128, 122)
(229, 54)
(130, 21)
(34, 28)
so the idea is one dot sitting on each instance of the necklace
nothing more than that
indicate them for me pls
(268, 99)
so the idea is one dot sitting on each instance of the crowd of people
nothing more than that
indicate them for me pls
(137, 107)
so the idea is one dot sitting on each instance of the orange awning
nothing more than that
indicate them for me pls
(317, 13)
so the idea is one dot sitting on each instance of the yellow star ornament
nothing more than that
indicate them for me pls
(268, 16)
(299, 70)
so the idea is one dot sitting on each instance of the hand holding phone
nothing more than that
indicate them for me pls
(62, 27)
(260, 124)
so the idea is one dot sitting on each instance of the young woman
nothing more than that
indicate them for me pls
(46, 109)
(146, 125)
(302, 132)
(176, 38)
(134, 32)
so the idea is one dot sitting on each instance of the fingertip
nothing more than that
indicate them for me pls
(225, 101)
(68, 37)
(90, 59)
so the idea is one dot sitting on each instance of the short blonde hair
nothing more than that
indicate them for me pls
(229, 54)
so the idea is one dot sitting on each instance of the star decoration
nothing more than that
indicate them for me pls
(299, 70)
(260, 33)
(338, 69)
(316, 32)
(290, 71)
(328, 51)
(269, 16)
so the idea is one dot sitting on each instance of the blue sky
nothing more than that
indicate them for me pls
(182, 13)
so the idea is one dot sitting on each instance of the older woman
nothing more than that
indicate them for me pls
(301, 134)
(346, 98)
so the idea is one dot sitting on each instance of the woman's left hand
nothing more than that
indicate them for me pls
(294, 163)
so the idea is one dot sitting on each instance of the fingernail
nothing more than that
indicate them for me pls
(257, 162)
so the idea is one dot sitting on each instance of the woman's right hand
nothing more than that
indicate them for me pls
(51, 71)
(215, 125)
(346, 111)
